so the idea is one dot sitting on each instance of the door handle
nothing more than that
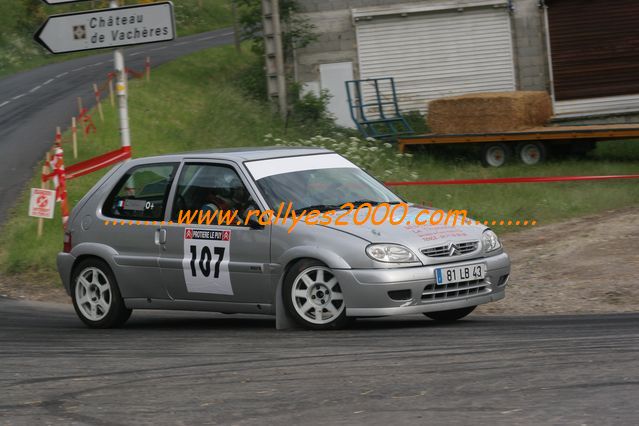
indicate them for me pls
(160, 236)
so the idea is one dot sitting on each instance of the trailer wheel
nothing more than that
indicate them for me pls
(531, 153)
(495, 154)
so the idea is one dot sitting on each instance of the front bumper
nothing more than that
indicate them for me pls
(367, 292)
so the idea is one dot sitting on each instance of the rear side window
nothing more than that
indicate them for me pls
(141, 193)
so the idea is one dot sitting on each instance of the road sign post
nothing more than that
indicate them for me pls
(105, 28)
(121, 91)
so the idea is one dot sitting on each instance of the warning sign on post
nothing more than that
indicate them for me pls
(42, 203)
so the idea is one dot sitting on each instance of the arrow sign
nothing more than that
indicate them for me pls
(100, 29)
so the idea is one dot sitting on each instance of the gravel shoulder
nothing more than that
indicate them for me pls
(583, 265)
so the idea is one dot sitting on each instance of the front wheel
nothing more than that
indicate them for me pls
(96, 297)
(313, 296)
(451, 315)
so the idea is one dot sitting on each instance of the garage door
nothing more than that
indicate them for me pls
(594, 48)
(437, 53)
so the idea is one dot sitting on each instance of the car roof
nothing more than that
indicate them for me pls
(241, 154)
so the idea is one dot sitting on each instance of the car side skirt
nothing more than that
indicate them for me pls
(200, 305)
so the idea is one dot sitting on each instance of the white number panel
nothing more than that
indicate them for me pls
(206, 261)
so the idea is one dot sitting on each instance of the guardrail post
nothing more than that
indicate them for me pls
(74, 136)
(96, 92)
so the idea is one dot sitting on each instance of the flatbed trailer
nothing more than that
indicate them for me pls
(530, 145)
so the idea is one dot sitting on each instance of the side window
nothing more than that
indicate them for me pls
(142, 193)
(209, 187)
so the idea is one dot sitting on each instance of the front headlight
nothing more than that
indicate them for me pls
(390, 253)
(490, 241)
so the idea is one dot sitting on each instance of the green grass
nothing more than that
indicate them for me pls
(543, 202)
(197, 103)
(190, 104)
(19, 20)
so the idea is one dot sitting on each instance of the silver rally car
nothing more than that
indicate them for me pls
(124, 248)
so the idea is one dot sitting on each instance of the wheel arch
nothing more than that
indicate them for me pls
(85, 251)
(84, 257)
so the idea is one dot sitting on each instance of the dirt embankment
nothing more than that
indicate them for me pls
(584, 265)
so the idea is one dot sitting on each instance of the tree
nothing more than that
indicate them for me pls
(297, 31)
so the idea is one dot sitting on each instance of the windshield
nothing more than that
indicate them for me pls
(324, 189)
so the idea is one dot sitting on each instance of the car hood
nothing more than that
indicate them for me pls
(409, 234)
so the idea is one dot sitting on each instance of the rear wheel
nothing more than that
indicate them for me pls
(495, 154)
(531, 153)
(313, 296)
(96, 297)
(451, 315)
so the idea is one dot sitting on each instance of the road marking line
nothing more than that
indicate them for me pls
(97, 64)
(35, 88)
(61, 75)
(208, 38)
(4, 103)
(159, 48)
(182, 43)
(215, 36)
(19, 96)
(47, 82)
(78, 69)
(136, 53)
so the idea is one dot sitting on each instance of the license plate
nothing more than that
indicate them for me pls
(460, 274)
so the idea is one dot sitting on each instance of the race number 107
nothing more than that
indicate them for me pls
(204, 261)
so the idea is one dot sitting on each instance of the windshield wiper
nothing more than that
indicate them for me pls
(327, 207)
(372, 203)
(319, 207)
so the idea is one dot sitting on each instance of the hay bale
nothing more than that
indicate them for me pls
(489, 112)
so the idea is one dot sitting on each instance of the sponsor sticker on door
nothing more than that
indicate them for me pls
(42, 203)
(206, 261)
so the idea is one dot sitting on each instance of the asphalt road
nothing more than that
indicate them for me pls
(197, 368)
(34, 102)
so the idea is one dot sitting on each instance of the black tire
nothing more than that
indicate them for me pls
(495, 154)
(117, 313)
(451, 315)
(292, 275)
(531, 153)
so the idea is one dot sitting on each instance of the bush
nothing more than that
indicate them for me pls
(417, 121)
(310, 108)
(252, 80)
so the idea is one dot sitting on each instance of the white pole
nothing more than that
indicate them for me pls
(121, 91)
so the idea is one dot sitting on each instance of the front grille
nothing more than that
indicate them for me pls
(452, 249)
(454, 290)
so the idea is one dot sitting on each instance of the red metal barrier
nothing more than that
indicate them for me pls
(538, 179)
(96, 163)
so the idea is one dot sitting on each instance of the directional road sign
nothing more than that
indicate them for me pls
(99, 29)
(61, 1)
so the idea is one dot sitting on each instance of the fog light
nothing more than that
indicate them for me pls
(400, 295)
(503, 280)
